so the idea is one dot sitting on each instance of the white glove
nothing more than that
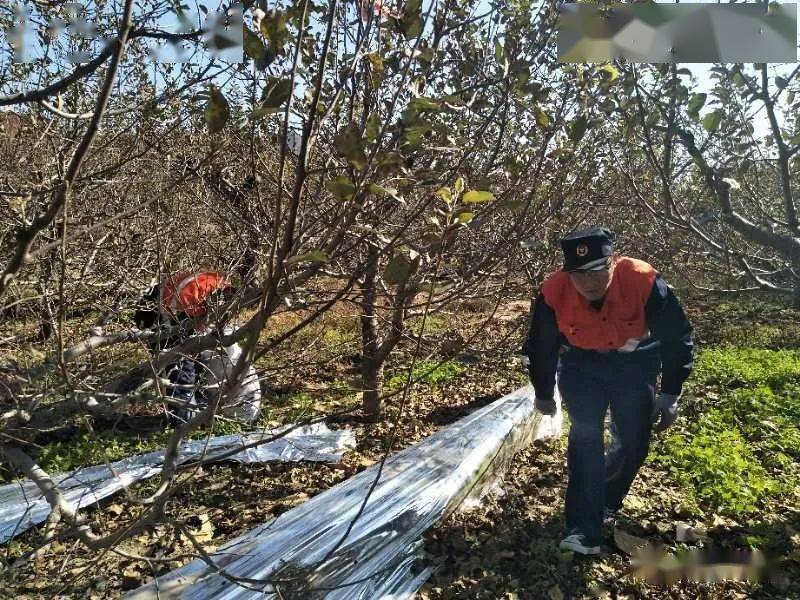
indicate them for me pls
(665, 411)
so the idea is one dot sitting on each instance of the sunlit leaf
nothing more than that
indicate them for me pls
(382, 191)
(445, 194)
(375, 61)
(542, 118)
(734, 185)
(465, 217)
(610, 71)
(341, 187)
(477, 197)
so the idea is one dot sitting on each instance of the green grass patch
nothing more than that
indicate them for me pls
(746, 448)
(740, 367)
(762, 335)
(428, 371)
(716, 466)
(94, 448)
(289, 408)
(334, 338)
(434, 323)
(90, 448)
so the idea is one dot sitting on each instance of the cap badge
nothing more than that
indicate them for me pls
(582, 250)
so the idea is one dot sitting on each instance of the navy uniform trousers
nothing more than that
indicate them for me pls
(590, 383)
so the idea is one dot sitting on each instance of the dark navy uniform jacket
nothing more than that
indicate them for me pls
(670, 337)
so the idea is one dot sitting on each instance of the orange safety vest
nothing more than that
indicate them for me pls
(620, 324)
(187, 291)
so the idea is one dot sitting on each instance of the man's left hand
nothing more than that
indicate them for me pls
(665, 411)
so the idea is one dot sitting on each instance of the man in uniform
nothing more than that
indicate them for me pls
(607, 325)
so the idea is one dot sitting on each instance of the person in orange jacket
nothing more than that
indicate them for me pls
(185, 302)
(604, 327)
(182, 302)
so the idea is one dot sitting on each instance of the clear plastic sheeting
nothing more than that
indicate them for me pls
(22, 504)
(418, 488)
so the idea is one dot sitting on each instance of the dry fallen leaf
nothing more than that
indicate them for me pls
(204, 533)
(636, 503)
(627, 542)
(598, 591)
(131, 578)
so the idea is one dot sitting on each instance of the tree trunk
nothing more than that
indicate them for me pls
(371, 365)
(372, 382)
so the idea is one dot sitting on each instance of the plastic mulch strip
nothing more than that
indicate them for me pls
(418, 487)
(22, 504)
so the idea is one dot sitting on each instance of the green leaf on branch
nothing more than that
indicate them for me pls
(478, 197)
(382, 191)
(411, 22)
(712, 120)
(341, 187)
(253, 46)
(276, 92)
(465, 217)
(350, 145)
(422, 104)
(445, 194)
(695, 104)
(413, 7)
(273, 26)
(388, 163)
(217, 110)
(414, 135)
(542, 118)
(578, 128)
(373, 126)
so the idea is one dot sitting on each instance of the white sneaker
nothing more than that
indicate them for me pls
(576, 542)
